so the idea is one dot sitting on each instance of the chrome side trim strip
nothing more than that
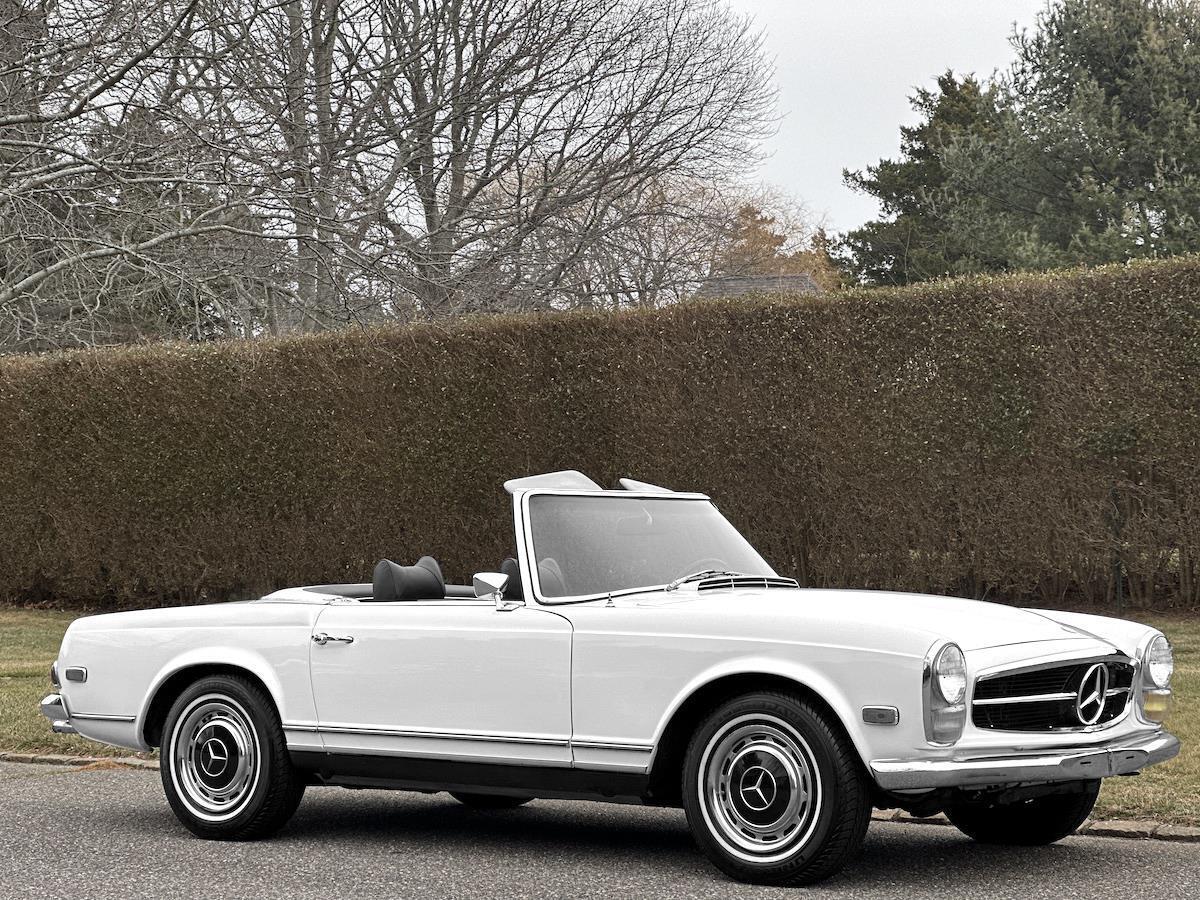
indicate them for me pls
(462, 736)
(442, 735)
(94, 717)
(447, 756)
(602, 745)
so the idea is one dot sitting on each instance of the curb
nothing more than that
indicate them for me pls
(80, 762)
(1138, 829)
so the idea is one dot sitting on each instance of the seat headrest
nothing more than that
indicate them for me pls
(423, 581)
(550, 577)
(512, 590)
(431, 564)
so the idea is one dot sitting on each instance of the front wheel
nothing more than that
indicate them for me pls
(224, 764)
(1028, 823)
(774, 792)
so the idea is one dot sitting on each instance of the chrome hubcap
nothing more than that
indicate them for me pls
(759, 789)
(215, 758)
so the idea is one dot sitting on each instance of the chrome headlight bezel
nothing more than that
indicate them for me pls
(1158, 662)
(944, 720)
(950, 666)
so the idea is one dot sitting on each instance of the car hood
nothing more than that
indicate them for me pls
(972, 624)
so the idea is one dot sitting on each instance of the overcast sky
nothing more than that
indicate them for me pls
(845, 71)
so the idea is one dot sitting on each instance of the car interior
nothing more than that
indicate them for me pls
(423, 581)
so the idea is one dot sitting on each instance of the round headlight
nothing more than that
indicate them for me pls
(950, 674)
(1159, 662)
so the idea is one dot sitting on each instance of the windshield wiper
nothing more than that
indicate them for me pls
(703, 573)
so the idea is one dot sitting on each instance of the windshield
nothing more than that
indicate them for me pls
(594, 545)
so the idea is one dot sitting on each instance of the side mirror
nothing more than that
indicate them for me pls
(492, 584)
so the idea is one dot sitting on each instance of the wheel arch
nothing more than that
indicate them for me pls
(174, 680)
(695, 703)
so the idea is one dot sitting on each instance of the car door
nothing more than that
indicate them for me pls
(444, 679)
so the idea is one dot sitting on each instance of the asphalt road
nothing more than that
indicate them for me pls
(109, 833)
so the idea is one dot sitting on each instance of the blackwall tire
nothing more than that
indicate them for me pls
(1031, 823)
(489, 801)
(774, 792)
(224, 764)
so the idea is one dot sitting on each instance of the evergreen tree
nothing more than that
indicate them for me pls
(1097, 158)
(1086, 151)
(910, 242)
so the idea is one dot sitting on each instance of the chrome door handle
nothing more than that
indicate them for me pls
(322, 638)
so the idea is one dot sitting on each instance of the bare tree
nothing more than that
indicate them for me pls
(511, 117)
(102, 179)
(209, 167)
(651, 247)
(294, 91)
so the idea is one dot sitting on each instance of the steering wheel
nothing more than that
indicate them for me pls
(700, 565)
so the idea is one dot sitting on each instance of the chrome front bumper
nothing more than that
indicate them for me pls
(54, 708)
(1117, 758)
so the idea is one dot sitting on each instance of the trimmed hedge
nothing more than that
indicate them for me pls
(1022, 438)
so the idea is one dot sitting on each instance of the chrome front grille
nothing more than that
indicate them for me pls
(1060, 697)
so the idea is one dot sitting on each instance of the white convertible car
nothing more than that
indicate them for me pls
(636, 649)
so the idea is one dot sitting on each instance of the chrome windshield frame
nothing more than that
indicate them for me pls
(524, 526)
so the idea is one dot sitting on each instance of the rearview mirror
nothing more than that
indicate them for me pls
(490, 584)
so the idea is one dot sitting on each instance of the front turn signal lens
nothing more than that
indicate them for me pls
(1156, 705)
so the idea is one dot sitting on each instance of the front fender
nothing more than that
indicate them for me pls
(219, 655)
(846, 685)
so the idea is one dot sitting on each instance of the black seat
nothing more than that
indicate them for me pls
(423, 581)
(513, 590)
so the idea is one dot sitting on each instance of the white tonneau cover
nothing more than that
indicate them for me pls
(567, 480)
(574, 480)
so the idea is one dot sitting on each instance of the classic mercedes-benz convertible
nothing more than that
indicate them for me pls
(635, 649)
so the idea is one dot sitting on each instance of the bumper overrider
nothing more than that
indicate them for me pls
(54, 708)
(1119, 757)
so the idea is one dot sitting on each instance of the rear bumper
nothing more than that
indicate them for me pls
(54, 708)
(1120, 757)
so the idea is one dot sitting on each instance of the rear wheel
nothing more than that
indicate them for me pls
(224, 764)
(1028, 823)
(774, 792)
(489, 801)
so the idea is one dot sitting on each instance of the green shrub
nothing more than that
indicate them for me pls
(1013, 438)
